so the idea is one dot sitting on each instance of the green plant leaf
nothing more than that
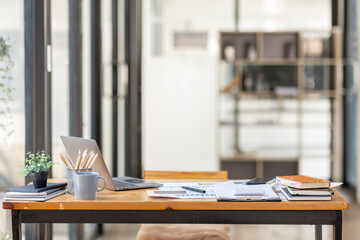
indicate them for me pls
(37, 162)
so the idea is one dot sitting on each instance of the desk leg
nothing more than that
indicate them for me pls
(318, 232)
(48, 231)
(16, 225)
(45, 232)
(76, 231)
(338, 226)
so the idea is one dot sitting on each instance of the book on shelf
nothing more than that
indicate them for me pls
(291, 197)
(302, 182)
(10, 196)
(314, 191)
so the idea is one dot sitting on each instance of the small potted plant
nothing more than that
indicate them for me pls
(37, 165)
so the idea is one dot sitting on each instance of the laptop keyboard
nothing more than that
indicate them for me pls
(119, 184)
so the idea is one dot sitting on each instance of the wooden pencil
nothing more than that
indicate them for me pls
(65, 160)
(78, 160)
(90, 160)
(69, 160)
(83, 157)
(93, 161)
(85, 162)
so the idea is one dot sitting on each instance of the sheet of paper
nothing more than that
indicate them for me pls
(176, 187)
(225, 192)
(335, 184)
(202, 185)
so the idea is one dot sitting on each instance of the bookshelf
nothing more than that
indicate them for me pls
(279, 85)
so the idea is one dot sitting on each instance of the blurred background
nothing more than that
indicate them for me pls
(256, 87)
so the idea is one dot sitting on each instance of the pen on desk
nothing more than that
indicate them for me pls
(193, 189)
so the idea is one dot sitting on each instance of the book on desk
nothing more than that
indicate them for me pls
(30, 193)
(303, 182)
(305, 188)
(293, 197)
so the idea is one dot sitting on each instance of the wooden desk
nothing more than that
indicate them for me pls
(136, 207)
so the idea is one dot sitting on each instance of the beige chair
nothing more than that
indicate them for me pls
(184, 231)
(219, 175)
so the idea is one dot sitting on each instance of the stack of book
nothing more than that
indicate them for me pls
(29, 193)
(305, 188)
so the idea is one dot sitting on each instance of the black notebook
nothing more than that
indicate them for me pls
(31, 189)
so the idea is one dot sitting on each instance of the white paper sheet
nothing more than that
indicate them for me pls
(226, 192)
(335, 184)
(208, 187)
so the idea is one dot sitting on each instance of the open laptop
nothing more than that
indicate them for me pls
(74, 144)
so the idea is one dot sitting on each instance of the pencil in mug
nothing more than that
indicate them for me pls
(88, 161)
(78, 160)
(85, 161)
(91, 159)
(83, 157)
(87, 158)
(69, 160)
(64, 160)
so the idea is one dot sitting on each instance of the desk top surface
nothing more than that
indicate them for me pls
(138, 200)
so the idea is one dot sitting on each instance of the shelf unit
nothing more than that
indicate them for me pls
(277, 69)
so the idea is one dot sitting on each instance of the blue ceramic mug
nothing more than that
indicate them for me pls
(86, 185)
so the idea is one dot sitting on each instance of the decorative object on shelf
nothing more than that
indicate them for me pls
(230, 53)
(309, 82)
(250, 51)
(319, 78)
(290, 50)
(38, 165)
(261, 84)
(6, 89)
(313, 47)
(248, 83)
(286, 91)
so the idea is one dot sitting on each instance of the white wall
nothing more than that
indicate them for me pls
(179, 88)
(275, 15)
